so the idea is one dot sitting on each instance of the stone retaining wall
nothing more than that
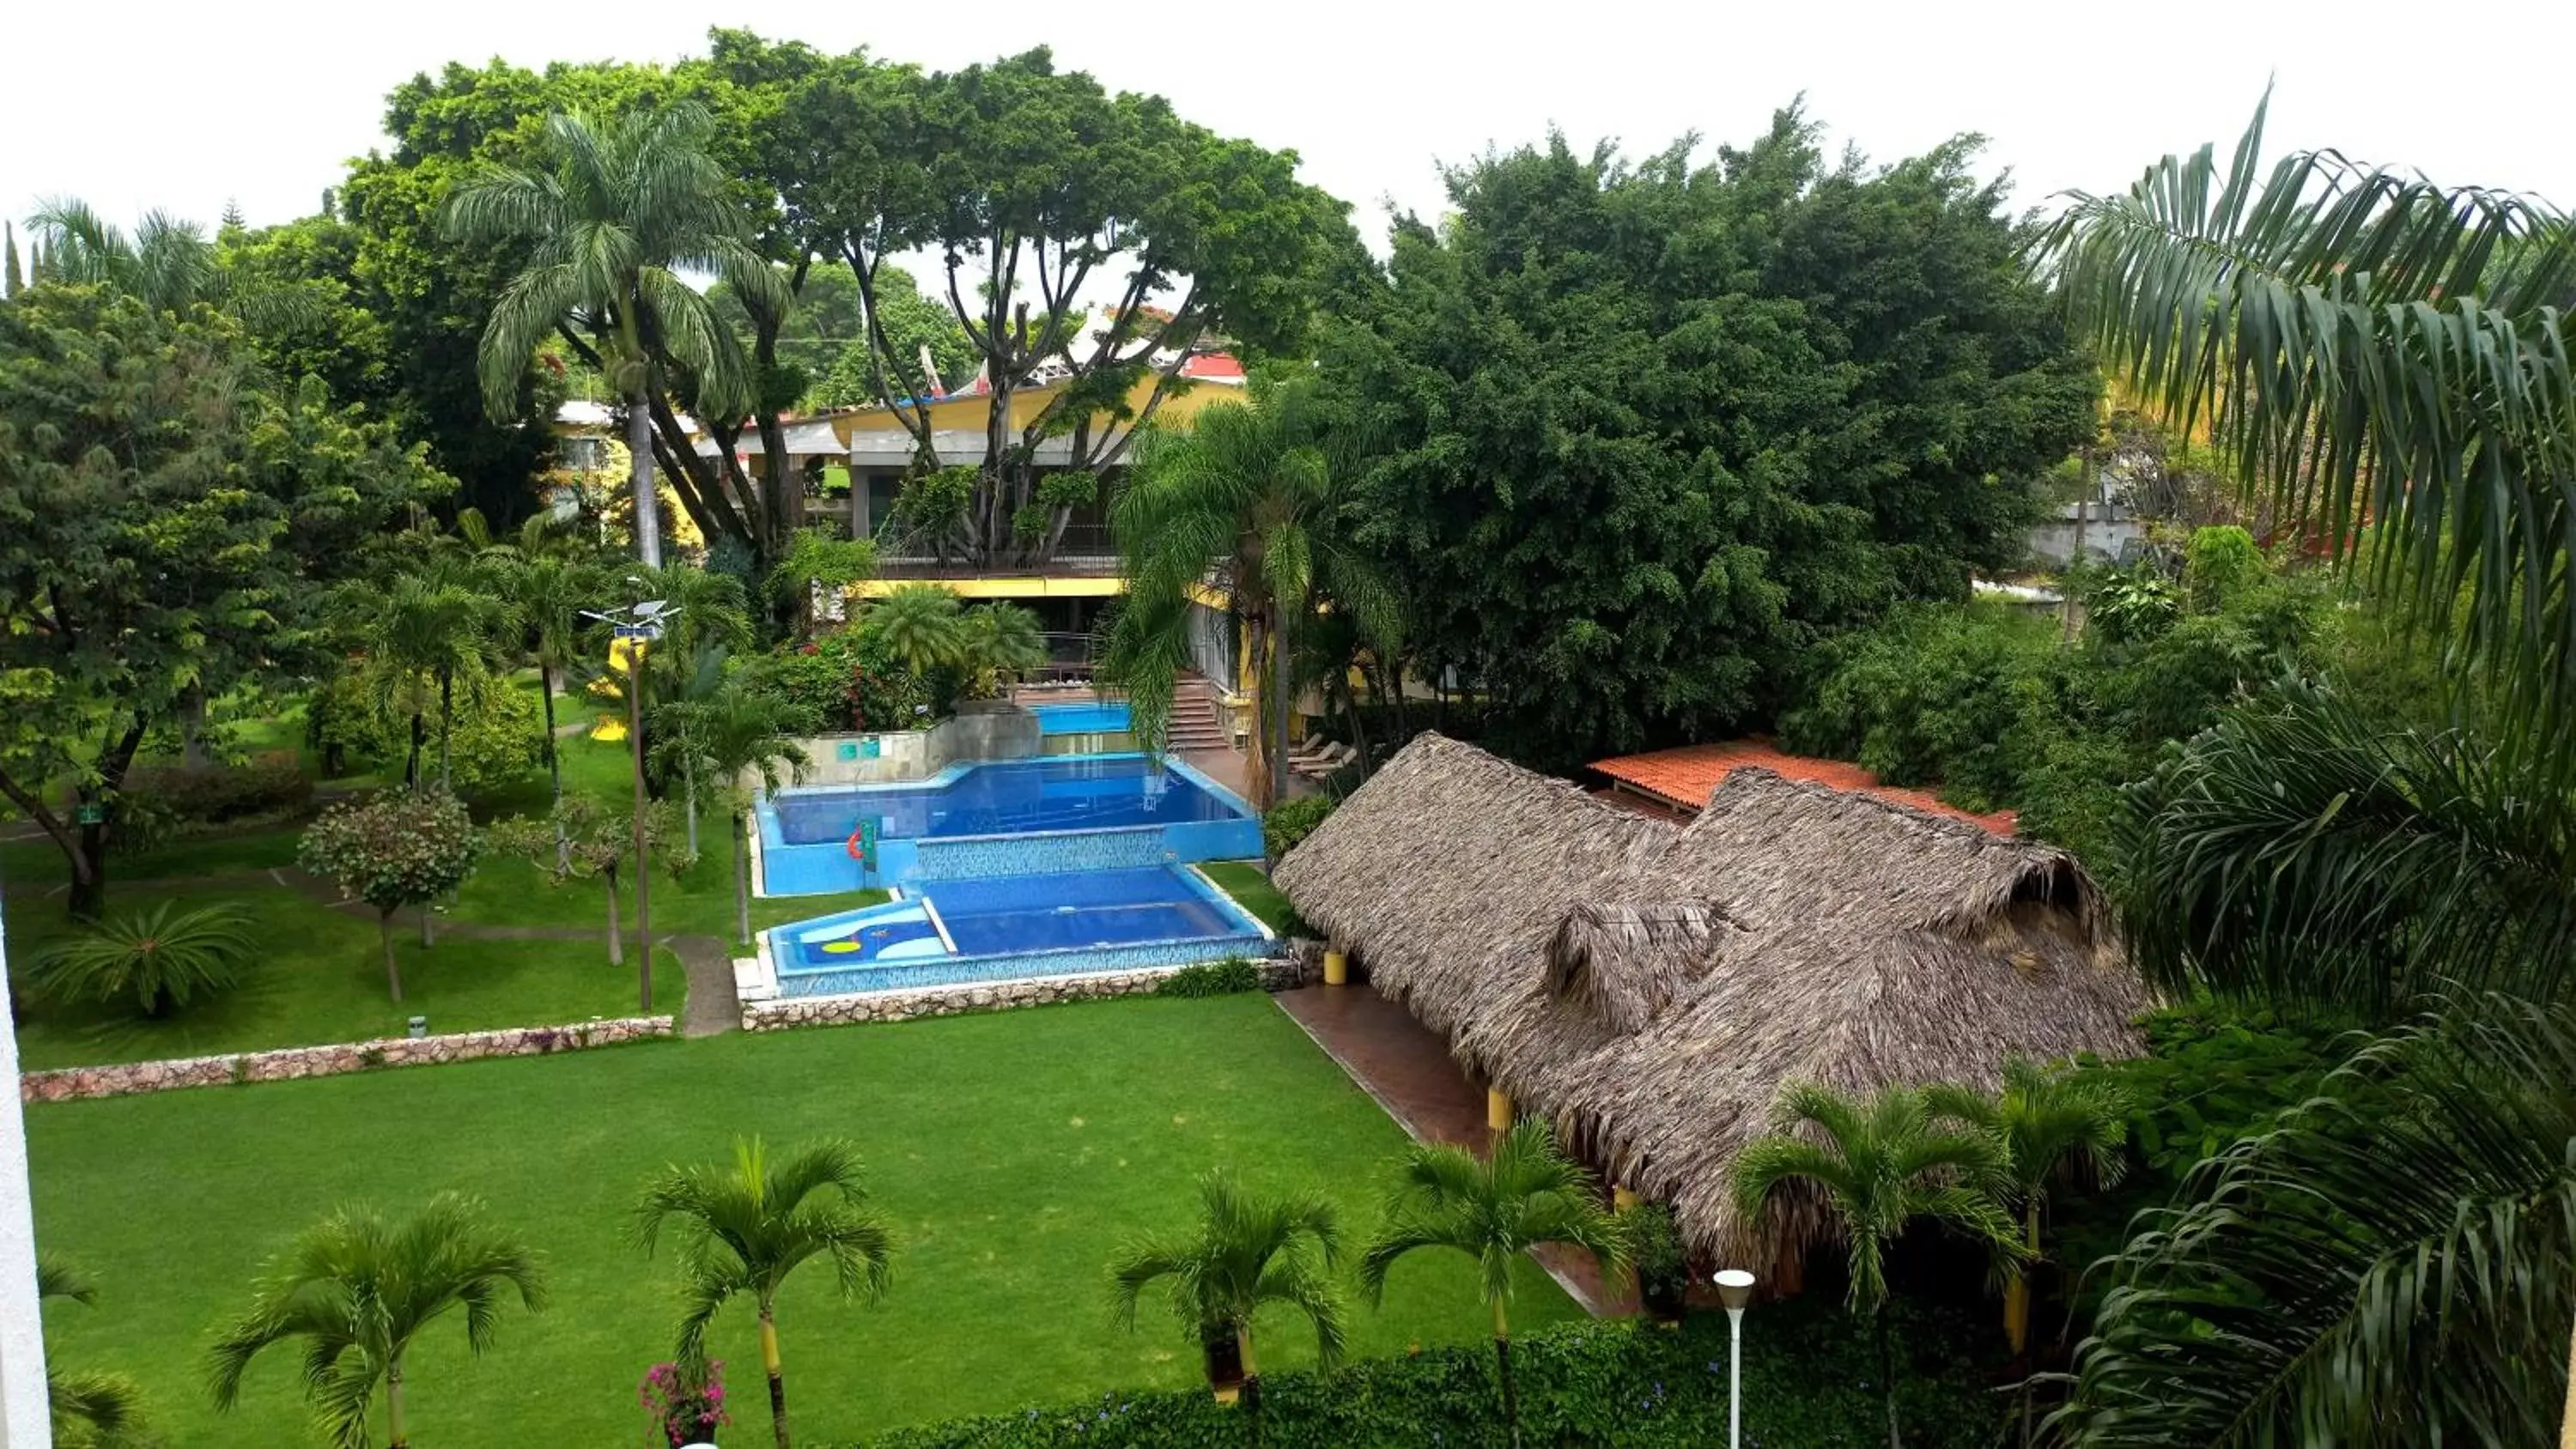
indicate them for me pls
(289, 1063)
(792, 1011)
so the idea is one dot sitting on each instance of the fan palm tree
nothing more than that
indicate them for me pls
(2375, 1271)
(1004, 638)
(738, 730)
(620, 210)
(2370, 348)
(748, 1224)
(168, 264)
(1494, 1209)
(1249, 1251)
(920, 626)
(91, 1410)
(356, 1290)
(1875, 1167)
(1255, 498)
(160, 960)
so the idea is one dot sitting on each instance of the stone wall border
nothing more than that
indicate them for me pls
(122, 1079)
(787, 1012)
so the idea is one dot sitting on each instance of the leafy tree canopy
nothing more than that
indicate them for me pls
(1655, 428)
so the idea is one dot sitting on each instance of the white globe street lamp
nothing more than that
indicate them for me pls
(1735, 1290)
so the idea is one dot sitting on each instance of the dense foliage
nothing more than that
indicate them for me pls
(1290, 821)
(1808, 1384)
(1986, 701)
(1655, 429)
(168, 527)
(162, 802)
(494, 738)
(1211, 978)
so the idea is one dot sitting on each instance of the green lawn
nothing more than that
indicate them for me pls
(319, 977)
(1012, 1152)
(1252, 890)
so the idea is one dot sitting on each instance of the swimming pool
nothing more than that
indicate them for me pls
(1058, 923)
(1005, 817)
(1082, 719)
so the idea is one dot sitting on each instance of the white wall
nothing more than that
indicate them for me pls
(25, 1417)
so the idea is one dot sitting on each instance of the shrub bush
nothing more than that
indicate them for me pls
(1228, 977)
(1808, 1383)
(162, 802)
(497, 739)
(845, 680)
(156, 962)
(1291, 821)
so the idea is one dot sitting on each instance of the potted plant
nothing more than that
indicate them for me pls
(686, 1400)
(1663, 1268)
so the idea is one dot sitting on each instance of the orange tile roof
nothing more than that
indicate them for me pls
(1685, 776)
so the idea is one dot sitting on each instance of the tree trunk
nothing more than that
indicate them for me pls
(777, 1376)
(446, 729)
(192, 730)
(385, 933)
(2567, 1423)
(689, 793)
(1886, 1375)
(1359, 726)
(1251, 1384)
(643, 861)
(554, 765)
(428, 938)
(411, 762)
(648, 507)
(1503, 1368)
(89, 867)
(741, 882)
(2017, 1292)
(1256, 764)
(1278, 710)
(616, 937)
(397, 1432)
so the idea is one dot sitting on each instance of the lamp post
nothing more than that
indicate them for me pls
(639, 624)
(1734, 1289)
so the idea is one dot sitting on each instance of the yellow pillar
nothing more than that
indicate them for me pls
(1337, 967)
(1498, 1111)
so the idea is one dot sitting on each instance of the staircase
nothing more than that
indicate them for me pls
(1197, 721)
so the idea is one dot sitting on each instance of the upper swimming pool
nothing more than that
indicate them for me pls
(1011, 797)
(1082, 719)
(998, 818)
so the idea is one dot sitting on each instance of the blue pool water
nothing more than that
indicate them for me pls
(1082, 719)
(1070, 792)
(1005, 915)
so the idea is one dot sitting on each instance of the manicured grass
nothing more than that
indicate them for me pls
(1013, 1153)
(320, 977)
(1252, 890)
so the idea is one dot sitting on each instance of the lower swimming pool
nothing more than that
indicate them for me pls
(1060, 923)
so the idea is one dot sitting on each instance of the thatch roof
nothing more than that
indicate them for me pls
(1652, 987)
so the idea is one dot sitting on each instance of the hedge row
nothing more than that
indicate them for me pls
(1809, 1383)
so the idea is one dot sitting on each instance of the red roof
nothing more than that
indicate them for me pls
(1685, 776)
(1212, 367)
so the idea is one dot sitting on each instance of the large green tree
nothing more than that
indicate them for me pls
(167, 532)
(1656, 427)
(2366, 345)
(1042, 194)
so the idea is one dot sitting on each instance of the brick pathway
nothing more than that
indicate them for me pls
(1407, 1068)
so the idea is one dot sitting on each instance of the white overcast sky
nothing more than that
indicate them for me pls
(186, 106)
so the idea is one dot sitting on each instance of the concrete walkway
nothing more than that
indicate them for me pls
(711, 1009)
(1406, 1068)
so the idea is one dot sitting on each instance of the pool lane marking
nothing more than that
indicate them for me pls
(936, 924)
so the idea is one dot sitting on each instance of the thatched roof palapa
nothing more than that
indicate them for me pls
(1653, 986)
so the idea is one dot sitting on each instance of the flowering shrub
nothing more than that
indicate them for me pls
(686, 1402)
(399, 848)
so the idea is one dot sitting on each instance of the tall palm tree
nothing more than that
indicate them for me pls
(748, 1224)
(91, 1409)
(168, 264)
(1248, 1252)
(2383, 1268)
(1876, 1167)
(544, 586)
(1495, 1209)
(2370, 348)
(738, 730)
(2057, 1127)
(1254, 498)
(421, 637)
(620, 210)
(357, 1289)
